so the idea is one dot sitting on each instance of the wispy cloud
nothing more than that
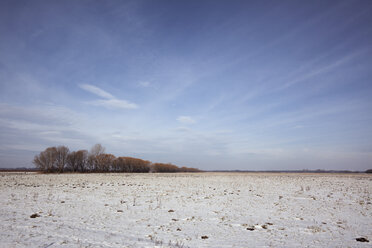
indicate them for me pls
(186, 119)
(114, 103)
(33, 128)
(324, 69)
(110, 101)
(97, 91)
(182, 129)
(144, 84)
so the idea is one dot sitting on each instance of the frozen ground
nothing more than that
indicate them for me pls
(177, 210)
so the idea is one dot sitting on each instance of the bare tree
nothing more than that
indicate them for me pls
(97, 149)
(94, 154)
(40, 161)
(61, 160)
(46, 160)
(105, 162)
(91, 163)
(72, 162)
(81, 160)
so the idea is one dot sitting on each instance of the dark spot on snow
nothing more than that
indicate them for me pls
(170, 211)
(204, 237)
(362, 239)
(269, 223)
(250, 228)
(175, 219)
(119, 211)
(34, 215)
(178, 229)
(264, 226)
(62, 201)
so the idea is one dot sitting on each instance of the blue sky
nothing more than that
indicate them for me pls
(249, 85)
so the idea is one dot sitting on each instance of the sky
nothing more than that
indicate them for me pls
(217, 85)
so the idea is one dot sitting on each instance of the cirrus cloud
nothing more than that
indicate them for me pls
(186, 119)
(97, 91)
(109, 100)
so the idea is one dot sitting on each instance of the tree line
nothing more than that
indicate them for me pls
(60, 159)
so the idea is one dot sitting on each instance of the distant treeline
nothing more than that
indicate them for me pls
(19, 169)
(292, 171)
(60, 159)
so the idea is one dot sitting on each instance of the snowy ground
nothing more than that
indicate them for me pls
(177, 210)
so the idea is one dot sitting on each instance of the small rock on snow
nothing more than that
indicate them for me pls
(34, 215)
(362, 239)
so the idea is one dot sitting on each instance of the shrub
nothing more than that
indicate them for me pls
(160, 167)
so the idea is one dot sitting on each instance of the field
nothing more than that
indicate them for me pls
(185, 210)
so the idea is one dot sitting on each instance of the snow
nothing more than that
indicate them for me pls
(176, 210)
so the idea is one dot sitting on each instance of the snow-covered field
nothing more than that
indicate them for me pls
(185, 210)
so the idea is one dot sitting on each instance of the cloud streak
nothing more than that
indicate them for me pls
(324, 69)
(186, 119)
(114, 103)
(97, 91)
(144, 84)
(109, 100)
